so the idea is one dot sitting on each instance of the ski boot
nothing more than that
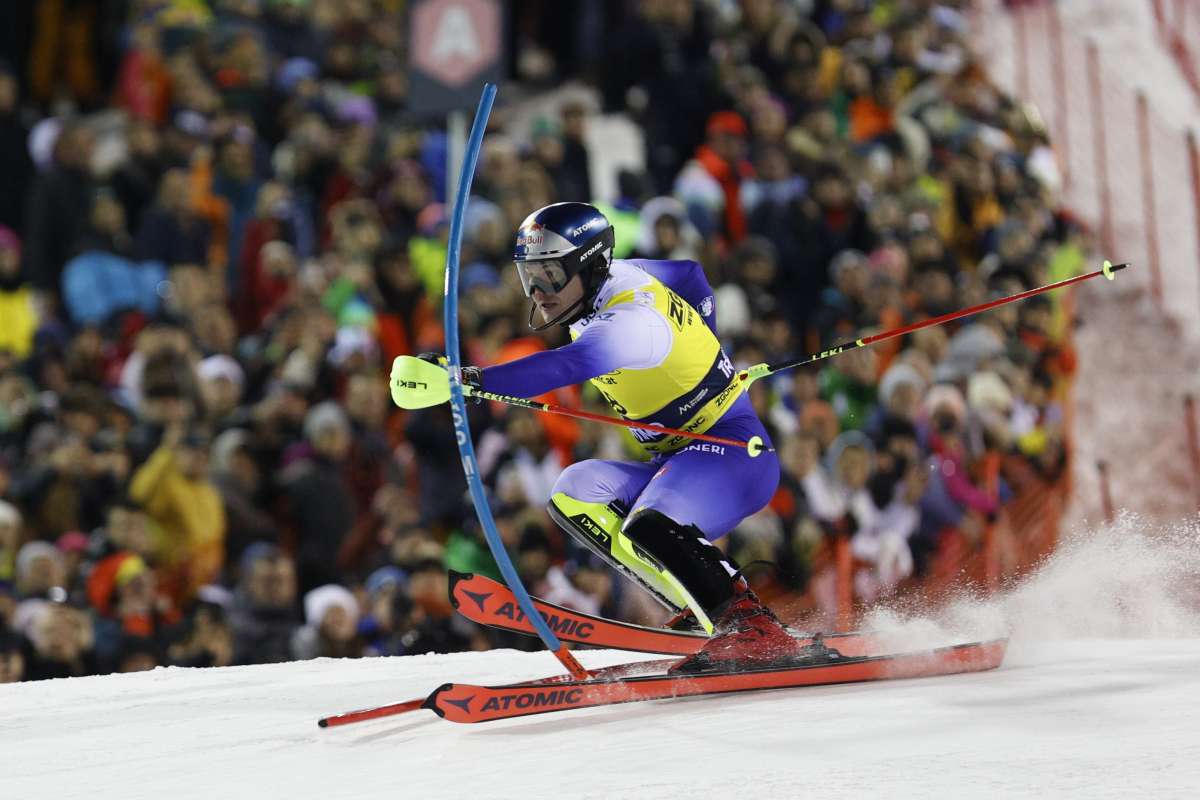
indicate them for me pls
(747, 635)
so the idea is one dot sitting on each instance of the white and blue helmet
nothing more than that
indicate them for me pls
(558, 242)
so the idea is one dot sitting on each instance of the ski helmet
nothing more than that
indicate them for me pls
(558, 242)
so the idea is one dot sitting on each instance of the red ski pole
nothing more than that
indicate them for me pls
(754, 444)
(751, 374)
(362, 715)
(763, 370)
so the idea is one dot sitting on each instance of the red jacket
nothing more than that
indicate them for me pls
(730, 177)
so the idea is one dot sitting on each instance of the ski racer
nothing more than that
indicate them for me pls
(644, 333)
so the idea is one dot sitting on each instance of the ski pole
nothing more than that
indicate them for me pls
(364, 714)
(752, 374)
(754, 445)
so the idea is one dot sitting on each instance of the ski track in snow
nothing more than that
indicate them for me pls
(1099, 697)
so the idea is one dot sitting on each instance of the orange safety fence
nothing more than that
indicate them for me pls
(1121, 162)
(1025, 530)
(1023, 534)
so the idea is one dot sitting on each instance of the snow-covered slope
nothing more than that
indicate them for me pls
(1102, 716)
(1109, 718)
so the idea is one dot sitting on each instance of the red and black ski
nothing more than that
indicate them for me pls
(646, 680)
(460, 702)
(842, 658)
(489, 602)
(613, 673)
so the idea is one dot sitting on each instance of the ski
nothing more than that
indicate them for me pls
(489, 602)
(613, 673)
(842, 658)
(470, 703)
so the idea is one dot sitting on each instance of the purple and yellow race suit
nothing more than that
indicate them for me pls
(651, 348)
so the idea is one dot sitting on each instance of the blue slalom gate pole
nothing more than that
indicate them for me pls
(458, 408)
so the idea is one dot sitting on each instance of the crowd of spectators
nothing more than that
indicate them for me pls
(221, 221)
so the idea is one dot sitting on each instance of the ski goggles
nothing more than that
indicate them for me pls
(550, 275)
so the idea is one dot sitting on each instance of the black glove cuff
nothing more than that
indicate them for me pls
(433, 358)
(473, 377)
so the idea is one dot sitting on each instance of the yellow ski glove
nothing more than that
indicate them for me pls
(417, 383)
(422, 381)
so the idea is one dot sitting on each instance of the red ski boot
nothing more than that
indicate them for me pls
(746, 635)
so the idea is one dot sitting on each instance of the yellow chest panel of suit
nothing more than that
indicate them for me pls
(690, 388)
(637, 393)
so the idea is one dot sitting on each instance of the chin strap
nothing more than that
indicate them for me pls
(573, 312)
(581, 307)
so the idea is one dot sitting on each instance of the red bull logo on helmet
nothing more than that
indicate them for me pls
(531, 235)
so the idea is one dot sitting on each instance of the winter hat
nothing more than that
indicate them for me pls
(477, 214)
(214, 594)
(299, 371)
(192, 123)
(258, 551)
(727, 122)
(889, 261)
(352, 340)
(357, 110)
(9, 515)
(386, 576)
(898, 375)
(654, 209)
(294, 70)
(969, 347)
(42, 139)
(110, 574)
(225, 446)
(319, 601)
(945, 396)
(72, 542)
(847, 259)
(32, 551)
(845, 441)
(221, 366)
(988, 391)
(431, 219)
(322, 417)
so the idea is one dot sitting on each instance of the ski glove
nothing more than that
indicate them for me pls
(422, 381)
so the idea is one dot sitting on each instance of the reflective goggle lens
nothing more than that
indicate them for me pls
(547, 275)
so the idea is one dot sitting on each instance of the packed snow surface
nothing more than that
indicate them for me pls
(1099, 697)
